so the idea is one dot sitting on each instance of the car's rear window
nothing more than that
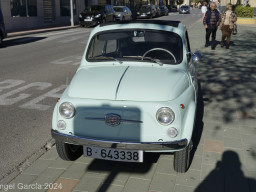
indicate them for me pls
(132, 45)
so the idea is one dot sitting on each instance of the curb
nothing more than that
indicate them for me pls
(23, 33)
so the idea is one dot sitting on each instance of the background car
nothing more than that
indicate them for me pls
(172, 8)
(158, 11)
(3, 33)
(97, 14)
(146, 11)
(164, 10)
(122, 13)
(184, 9)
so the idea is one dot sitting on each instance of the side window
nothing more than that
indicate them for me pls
(97, 48)
(111, 46)
(188, 46)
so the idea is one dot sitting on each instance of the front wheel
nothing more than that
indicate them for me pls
(69, 152)
(181, 159)
(1, 40)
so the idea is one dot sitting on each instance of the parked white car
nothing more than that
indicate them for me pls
(134, 92)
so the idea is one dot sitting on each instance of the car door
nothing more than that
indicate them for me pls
(191, 64)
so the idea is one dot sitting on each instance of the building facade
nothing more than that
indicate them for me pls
(32, 14)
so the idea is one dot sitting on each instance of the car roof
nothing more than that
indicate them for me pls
(158, 22)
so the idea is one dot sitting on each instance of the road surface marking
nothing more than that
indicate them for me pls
(74, 60)
(10, 83)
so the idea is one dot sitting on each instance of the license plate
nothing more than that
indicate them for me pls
(113, 154)
(87, 19)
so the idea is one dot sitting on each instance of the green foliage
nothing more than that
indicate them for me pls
(179, 2)
(244, 11)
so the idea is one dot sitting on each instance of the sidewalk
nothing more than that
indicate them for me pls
(224, 153)
(42, 30)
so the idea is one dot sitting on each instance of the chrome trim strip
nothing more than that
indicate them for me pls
(122, 120)
(153, 146)
(120, 82)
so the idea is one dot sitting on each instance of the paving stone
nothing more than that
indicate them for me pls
(248, 130)
(190, 178)
(231, 125)
(248, 139)
(137, 185)
(250, 163)
(213, 134)
(163, 182)
(232, 143)
(212, 126)
(75, 171)
(51, 154)
(104, 166)
(213, 146)
(211, 157)
(89, 183)
(232, 133)
(22, 179)
(183, 188)
(199, 150)
(206, 170)
(196, 162)
(63, 185)
(250, 150)
(47, 177)
(86, 160)
(38, 167)
(144, 171)
(165, 166)
(60, 164)
(239, 152)
(110, 188)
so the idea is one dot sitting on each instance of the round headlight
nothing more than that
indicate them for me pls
(165, 116)
(67, 110)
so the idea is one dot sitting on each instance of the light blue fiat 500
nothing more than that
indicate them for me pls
(134, 92)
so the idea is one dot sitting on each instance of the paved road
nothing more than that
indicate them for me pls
(35, 69)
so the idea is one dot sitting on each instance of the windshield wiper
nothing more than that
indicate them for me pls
(104, 57)
(149, 58)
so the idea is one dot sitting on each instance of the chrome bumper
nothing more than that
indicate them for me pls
(145, 146)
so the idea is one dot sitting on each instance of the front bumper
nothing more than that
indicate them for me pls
(89, 23)
(145, 146)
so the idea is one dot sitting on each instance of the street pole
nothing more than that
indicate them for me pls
(71, 13)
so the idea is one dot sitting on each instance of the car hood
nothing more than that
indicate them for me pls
(90, 13)
(128, 83)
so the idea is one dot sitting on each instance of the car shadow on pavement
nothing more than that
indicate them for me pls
(199, 124)
(20, 41)
(227, 176)
(116, 169)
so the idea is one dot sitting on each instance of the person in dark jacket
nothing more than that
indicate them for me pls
(211, 22)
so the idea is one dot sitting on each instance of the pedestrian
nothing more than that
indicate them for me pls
(227, 24)
(211, 22)
(204, 9)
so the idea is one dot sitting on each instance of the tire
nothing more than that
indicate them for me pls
(69, 152)
(123, 19)
(114, 19)
(181, 160)
(82, 25)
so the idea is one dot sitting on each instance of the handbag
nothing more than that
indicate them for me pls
(235, 29)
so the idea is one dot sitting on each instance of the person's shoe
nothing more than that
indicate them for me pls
(222, 44)
(206, 44)
(227, 46)
(213, 47)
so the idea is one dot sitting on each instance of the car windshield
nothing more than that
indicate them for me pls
(93, 8)
(184, 7)
(118, 9)
(144, 8)
(136, 45)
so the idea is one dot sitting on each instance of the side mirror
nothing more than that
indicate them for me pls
(196, 57)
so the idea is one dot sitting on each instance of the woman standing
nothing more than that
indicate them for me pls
(204, 9)
(228, 20)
